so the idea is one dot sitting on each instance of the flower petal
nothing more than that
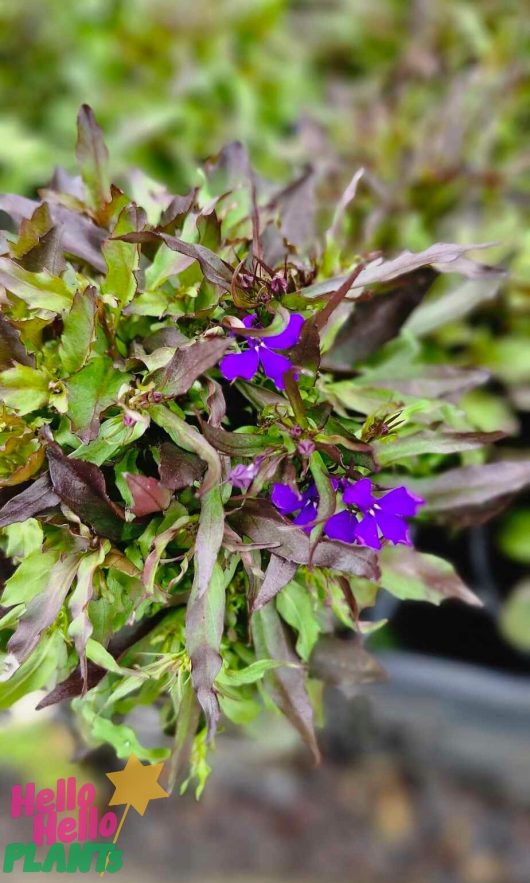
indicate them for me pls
(393, 527)
(289, 336)
(306, 516)
(285, 499)
(342, 526)
(400, 501)
(274, 366)
(249, 321)
(242, 365)
(359, 494)
(366, 533)
(310, 494)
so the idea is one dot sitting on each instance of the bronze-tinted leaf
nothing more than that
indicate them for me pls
(149, 495)
(416, 576)
(188, 363)
(279, 572)
(93, 157)
(259, 521)
(271, 641)
(34, 500)
(471, 494)
(179, 469)
(204, 630)
(41, 612)
(237, 444)
(11, 347)
(375, 321)
(81, 486)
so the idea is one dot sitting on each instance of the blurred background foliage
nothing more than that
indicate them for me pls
(431, 98)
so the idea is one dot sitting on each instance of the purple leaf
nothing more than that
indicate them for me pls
(472, 494)
(42, 610)
(444, 256)
(296, 207)
(179, 469)
(32, 501)
(279, 572)
(215, 403)
(81, 237)
(188, 363)
(92, 157)
(187, 437)
(214, 269)
(81, 486)
(378, 320)
(11, 347)
(149, 495)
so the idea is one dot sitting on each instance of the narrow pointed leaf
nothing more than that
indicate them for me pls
(288, 684)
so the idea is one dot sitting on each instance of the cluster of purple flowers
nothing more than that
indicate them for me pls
(364, 518)
(361, 517)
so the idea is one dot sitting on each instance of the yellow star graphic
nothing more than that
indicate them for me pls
(136, 785)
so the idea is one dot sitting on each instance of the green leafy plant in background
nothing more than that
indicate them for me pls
(214, 431)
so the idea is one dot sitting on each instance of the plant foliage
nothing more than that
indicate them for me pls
(214, 433)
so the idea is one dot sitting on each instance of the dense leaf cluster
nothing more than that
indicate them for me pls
(146, 569)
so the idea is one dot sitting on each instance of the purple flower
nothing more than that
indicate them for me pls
(306, 447)
(242, 476)
(304, 506)
(382, 517)
(261, 351)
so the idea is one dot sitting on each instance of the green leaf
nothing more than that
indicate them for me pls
(231, 677)
(22, 540)
(40, 291)
(24, 389)
(81, 626)
(40, 670)
(204, 630)
(238, 444)
(122, 738)
(295, 606)
(431, 442)
(79, 331)
(514, 536)
(515, 617)
(30, 578)
(96, 653)
(90, 391)
(241, 711)
(123, 258)
(414, 576)
(113, 435)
